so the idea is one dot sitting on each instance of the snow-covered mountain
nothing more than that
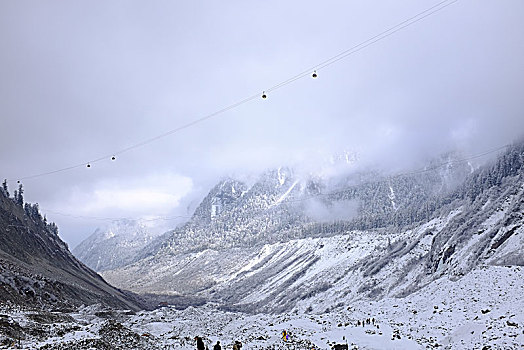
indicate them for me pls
(426, 266)
(283, 205)
(113, 246)
(262, 252)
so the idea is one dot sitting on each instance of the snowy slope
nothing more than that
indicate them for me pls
(282, 205)
(37, 269)
(237, 219)
(428, 266)
(482, 310)
(113, 246)
(480, 223)
(312, 273)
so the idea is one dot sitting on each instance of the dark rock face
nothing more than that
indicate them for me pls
(37, 269)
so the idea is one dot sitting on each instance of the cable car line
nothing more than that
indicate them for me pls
(406, 23)
(420, 16)
(145, 142)
(339, 191)
(412, 20)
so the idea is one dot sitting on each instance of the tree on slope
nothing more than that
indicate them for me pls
(4, 186)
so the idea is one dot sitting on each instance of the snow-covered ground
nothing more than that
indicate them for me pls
(482, 310)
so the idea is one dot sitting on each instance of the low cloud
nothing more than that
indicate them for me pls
(149, 199)
(153, 195)
(97, 84)
(132, 199)
(340, 210)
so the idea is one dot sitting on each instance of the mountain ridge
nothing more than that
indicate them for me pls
(38, 270)
(114, 245)
(396, 254)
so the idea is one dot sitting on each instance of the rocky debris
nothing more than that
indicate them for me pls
(38, 271)
(10, 331)
(45, 317)
(114, 333)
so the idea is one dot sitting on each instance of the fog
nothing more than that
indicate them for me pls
(340, 210)
(82, 80)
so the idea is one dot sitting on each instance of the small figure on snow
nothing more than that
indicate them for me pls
(200, 343)
(285, 335)
(217, 346)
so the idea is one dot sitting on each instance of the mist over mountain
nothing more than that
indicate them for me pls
(283, 204)
(277, 174)
(318, 256)
(422, 224)
(113, 246)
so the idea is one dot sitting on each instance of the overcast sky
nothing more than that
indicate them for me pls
(84, 79)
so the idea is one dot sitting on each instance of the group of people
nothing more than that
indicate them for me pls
(366, 321)
(201, 346)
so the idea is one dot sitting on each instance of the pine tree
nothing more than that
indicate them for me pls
(53, 228)
(20, 198)
(4, 186)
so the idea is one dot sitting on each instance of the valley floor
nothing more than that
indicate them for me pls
(482, 310)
